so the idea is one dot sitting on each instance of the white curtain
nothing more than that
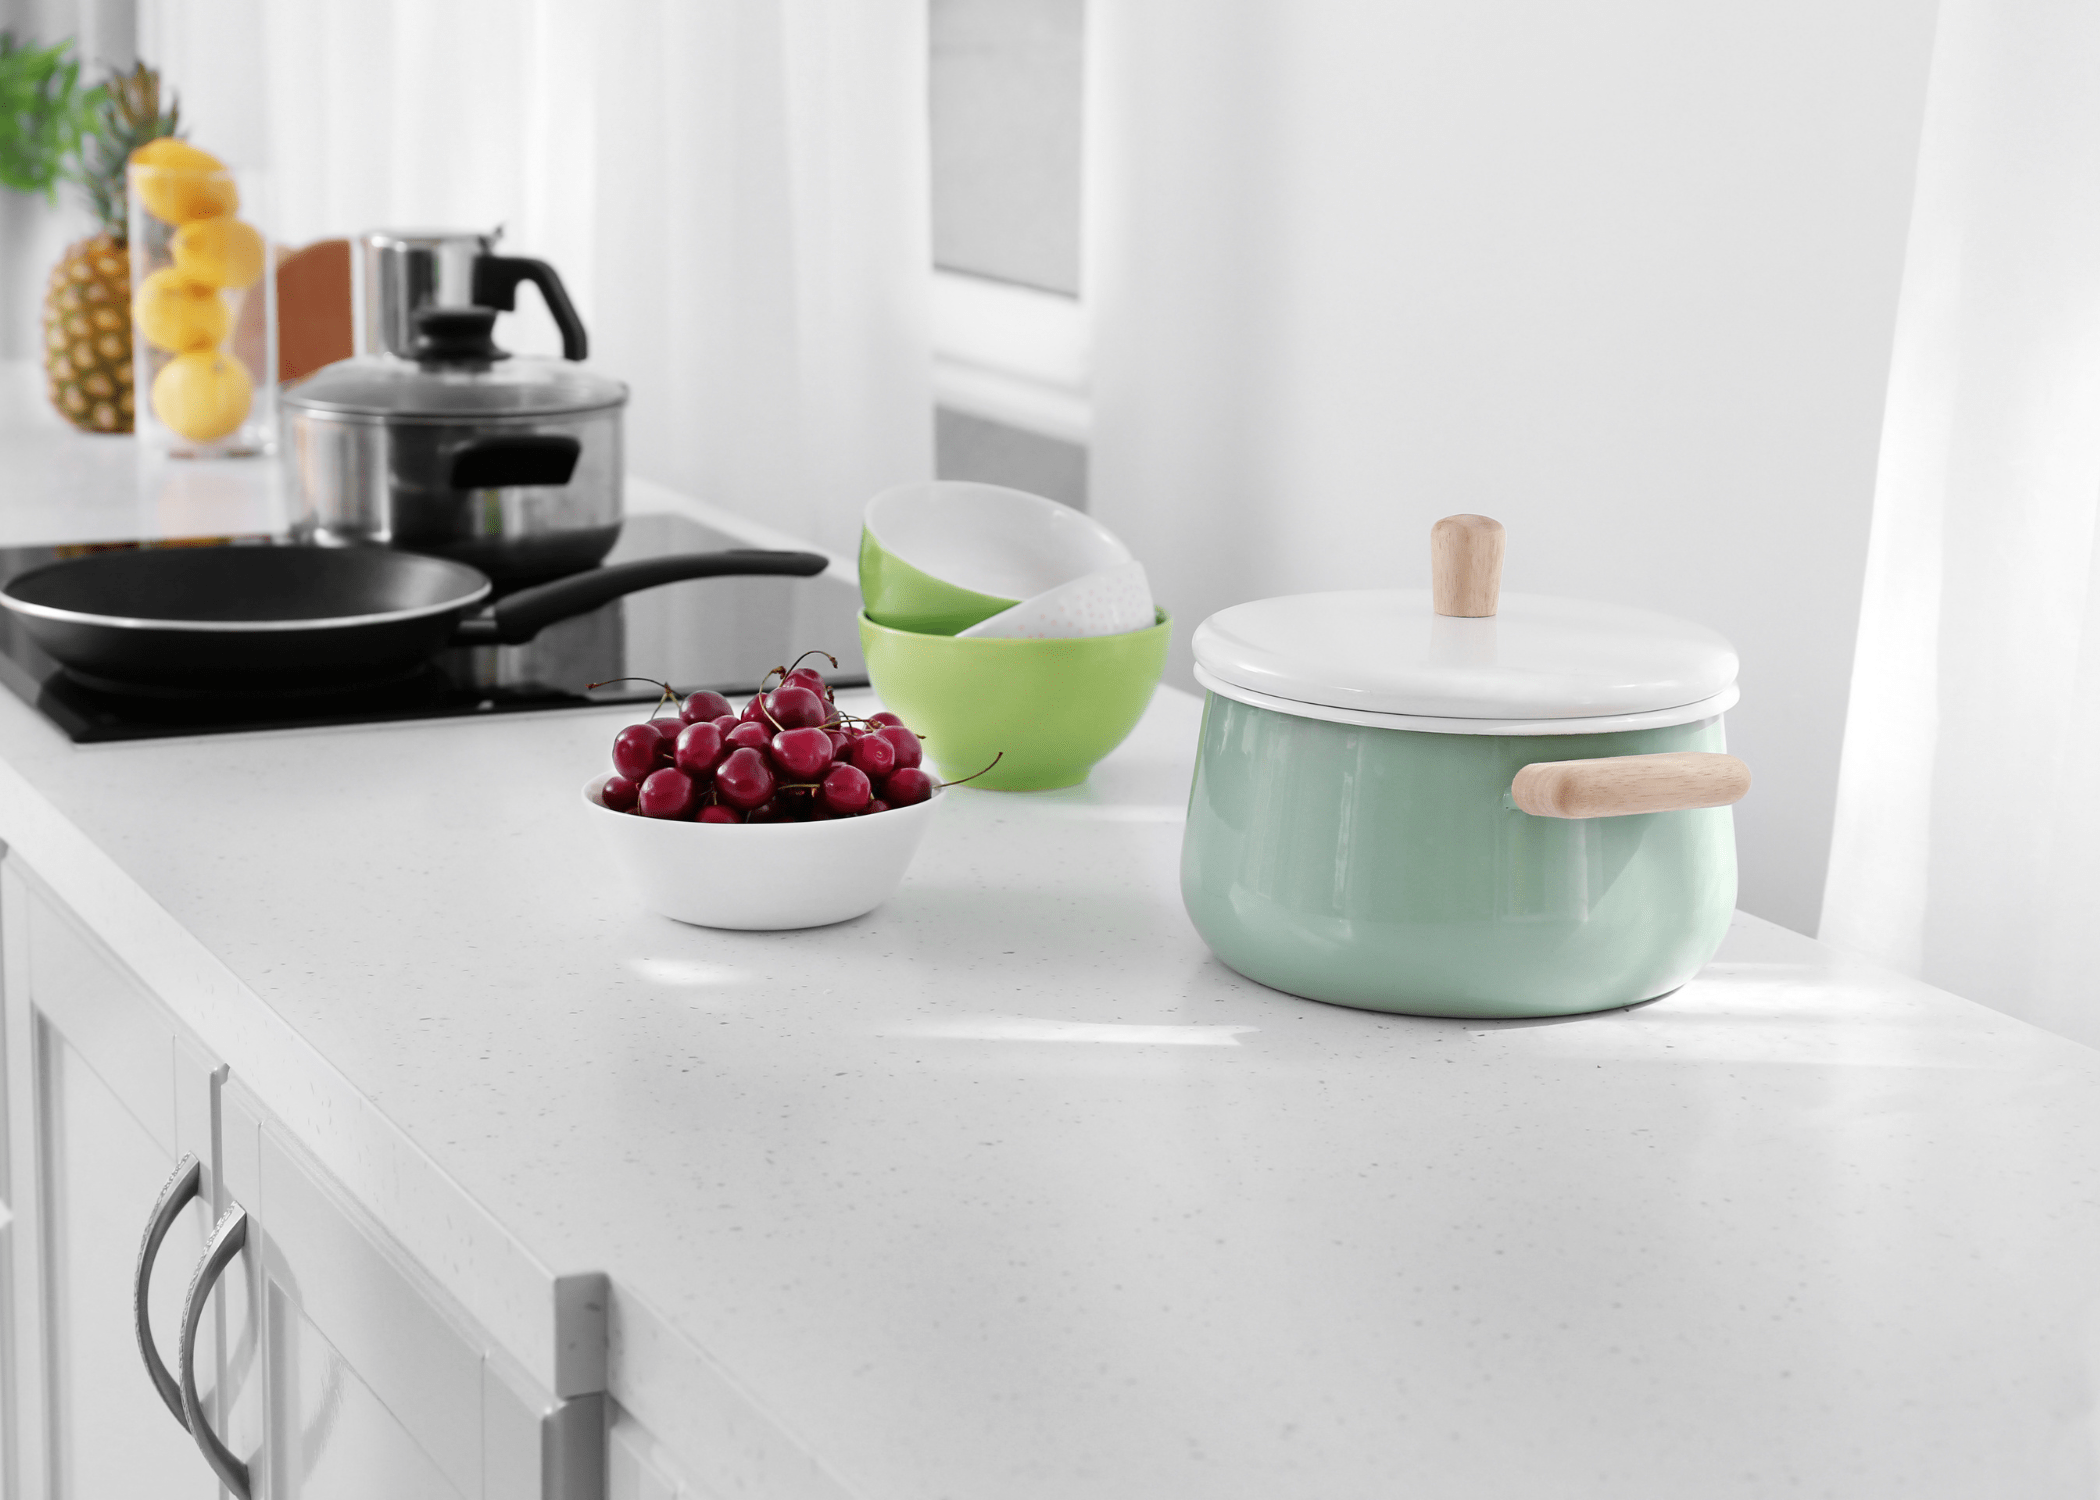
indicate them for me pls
(1968, 832)
(733, 190)
(1622, 274)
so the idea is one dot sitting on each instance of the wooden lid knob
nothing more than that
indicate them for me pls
(1465, 565)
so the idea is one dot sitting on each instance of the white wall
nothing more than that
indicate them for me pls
(1621, 274)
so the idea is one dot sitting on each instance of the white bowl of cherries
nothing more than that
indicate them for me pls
(788, 813)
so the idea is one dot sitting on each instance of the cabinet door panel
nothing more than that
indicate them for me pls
(333, 1438)
(371, 1381)
(105, 1090)
(356, 1294)
(108, 1021)
(110, 1435)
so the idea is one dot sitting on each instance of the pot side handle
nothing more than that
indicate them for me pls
(1612, 787)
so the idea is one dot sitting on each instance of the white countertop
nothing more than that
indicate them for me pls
(58, 484)
(1009, 1189)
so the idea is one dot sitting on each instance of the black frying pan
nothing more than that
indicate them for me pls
(250, 619)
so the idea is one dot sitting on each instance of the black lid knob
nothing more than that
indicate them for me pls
(457, 336)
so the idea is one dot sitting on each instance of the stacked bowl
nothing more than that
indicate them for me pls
(1006, 626)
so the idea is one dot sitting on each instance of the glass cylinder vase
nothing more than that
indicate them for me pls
(203, 307)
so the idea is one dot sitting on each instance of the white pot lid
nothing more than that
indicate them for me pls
(1377, 652)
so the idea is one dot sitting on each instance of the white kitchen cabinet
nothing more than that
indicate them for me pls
(347, 1371)
(106, 1093)
(373, 1380)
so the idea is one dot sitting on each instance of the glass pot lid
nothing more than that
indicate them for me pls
(459, 372)
(1464, 650)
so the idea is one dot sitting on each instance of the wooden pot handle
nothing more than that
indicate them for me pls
(1614, 786)
(1465, 565)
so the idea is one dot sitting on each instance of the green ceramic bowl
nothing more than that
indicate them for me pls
(1048, 709)
(903, 598)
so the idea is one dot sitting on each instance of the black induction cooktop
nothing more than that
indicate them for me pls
(720, 633)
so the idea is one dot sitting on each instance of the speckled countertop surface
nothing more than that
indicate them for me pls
(1009, 1190)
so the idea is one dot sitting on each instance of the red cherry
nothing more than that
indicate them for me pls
(906, 787)
(755, 711)
(727, 722)
(635, 750)
(846, 790)
(797, 707)
(886, 718)
(875, 755)
(769, 811)
(715, 812)
(840, 743)
(744, 779)
(810, 678)
(619, 793)
(802, 753)
(699, 747)
(904, 744)
(749, 736)
(876, 806)
(668, 728)
(701, 707)
(668, 794)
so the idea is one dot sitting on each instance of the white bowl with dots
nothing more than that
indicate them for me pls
(763, 877)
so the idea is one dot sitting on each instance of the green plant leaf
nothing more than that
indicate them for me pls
(44, 113)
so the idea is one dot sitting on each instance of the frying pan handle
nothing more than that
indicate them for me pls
(1616, 785)
(521, 616)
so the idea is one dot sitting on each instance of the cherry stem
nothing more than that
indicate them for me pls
(670, 694)
(805, 656)
(844, 719)
(975, 774)
(591, 686)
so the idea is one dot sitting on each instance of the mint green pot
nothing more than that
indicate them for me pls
(1388, 869)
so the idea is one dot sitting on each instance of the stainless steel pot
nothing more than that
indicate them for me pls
(435, 440)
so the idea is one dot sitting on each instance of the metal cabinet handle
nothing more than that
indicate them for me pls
(227, 1239)
(185, 1183)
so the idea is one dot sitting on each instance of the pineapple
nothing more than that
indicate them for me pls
(87, 306)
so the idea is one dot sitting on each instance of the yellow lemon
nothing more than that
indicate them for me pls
(203, 396)
(169, 152)
(180, 314)
(219, 252)
(179, 183)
